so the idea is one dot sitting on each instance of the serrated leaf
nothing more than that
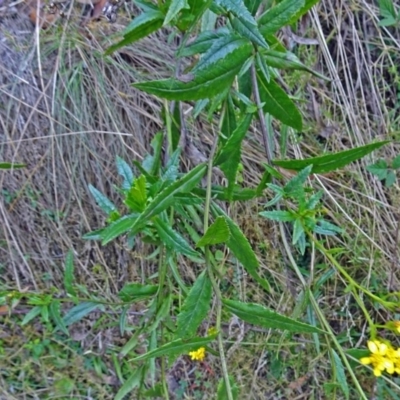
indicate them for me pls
(189, 17)
(133, 381)
(172, 239)
(136, 197)
(387, 10)
(237, 8)
(287, 60)
(174, 9)
(327, 228)
(330, 162)
(295, 185)
(217, 233)
(396, 162)
(341, 374)
(102, 201)
(250, 31)
(55, 314)
(279, 16)
(195, 307)
(390, 179)
(80, 311)
(31, 315)
(298, 231)
(258, 315)
(241, 249)
(222, 389)
(276, 215)
(152, 162)
(125, 172)
(219, 49)
(161, 202)
(277, 103)
(379, 169)
(146, 23)
(206, 83)
(176, 347)
(8, 165)
(69, 274)
(136, 291)
(229, 157)
(203, 42)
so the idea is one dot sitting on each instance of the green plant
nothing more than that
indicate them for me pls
(384, 171)
(388, 12)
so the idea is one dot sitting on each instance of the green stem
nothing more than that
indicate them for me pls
(212, 276)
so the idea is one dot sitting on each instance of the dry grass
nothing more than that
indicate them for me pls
(67, 112)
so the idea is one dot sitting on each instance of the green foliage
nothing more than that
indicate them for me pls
(8, 165)
(384, 171)
(388, 12)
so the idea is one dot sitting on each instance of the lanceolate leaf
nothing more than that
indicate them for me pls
(136, 291)
(250, 31)
(161, 202)
(287, 60)
(203, 42)
(218, 232)
(229, 158)
(330, 162)
(258, 315)
(106, 205)
(69, 274)
(222, 389)
(176, 347)
(175, 7)
(80, 311)
(189, 17)
(146, 23)
(195, 307)
(8, 165)
(241, 249)
(277, 103)
(279, 16)
(206, 83)
(237, 8)
(308, 4)
(126, 172)
(172, 239)
(252, 5)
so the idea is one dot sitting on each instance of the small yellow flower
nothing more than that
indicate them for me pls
(198, 354)
(383, 357)
(396, 325)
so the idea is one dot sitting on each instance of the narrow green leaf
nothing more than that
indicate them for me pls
(237, 8)
(195, 307)
(263, 67)
(189, 17)
(222, 392)
(126, 173)
(8, 165)
(80, 311)
(276, 215)
(287, 60)
(218, 232)
(131, 383)
(258, 315)
(241, 249)
(136, 291)
(330, 162)
(250, 31)
(390, 179)
(140, 27)
(277, 103)
(252, 5)
(295, 185)
(307, 6)
(229, 157)
(203, 42)
(31, 315)
(136, 197)
(174, 9)
(279, 16)
(229, 119)
(298, 231)
(172, 239)
(341, 374)
(161, 202)
(176, 347)
(206, 83)
(55, 314)
(69, 274)
(102, 201)
(152, 162)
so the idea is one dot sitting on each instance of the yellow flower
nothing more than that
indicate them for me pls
(212, 331)
(198, 354)
(383, 357)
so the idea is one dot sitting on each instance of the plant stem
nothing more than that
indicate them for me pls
(212, 276)
(261, 115)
